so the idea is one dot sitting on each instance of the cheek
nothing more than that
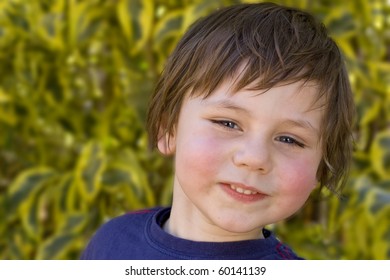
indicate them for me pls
(198, 157)
(300, 178)
(297, 183)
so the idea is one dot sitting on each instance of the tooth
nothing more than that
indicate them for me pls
(239, 190)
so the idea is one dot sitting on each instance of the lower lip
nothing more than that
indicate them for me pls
(246, 198)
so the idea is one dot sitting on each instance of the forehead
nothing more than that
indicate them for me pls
(305, 92)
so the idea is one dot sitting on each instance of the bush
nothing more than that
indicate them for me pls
(75, 80)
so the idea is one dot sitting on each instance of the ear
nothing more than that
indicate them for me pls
(166, 144)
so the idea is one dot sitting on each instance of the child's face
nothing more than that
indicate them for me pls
(243, 160)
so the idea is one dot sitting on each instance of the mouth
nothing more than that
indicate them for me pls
(242, 192)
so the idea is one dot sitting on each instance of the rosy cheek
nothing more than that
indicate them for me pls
(200, 157)
(300, 178)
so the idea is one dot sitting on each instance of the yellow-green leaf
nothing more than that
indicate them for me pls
(89, 170)
(197, 10)
(73, 223)
(170, 25)
(380, 154)
(56, 247)
(136, 20)
(29, 213)
(26, 185)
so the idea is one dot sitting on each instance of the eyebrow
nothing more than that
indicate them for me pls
(300, 124)
(227, 104)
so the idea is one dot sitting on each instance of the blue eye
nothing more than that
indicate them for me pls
(289, 140)
(226, 124)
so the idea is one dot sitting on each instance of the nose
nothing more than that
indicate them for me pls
(253, 154)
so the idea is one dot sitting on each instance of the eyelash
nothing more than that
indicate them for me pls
(226, 124)
(284, 139)
(290, 141)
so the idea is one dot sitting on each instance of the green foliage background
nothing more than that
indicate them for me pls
(75, 78)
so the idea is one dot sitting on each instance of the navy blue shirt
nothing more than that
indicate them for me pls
(139, 235)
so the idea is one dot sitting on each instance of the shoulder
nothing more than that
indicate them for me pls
(126, 221)
(134, 216)
(277, 249)
(115, 234)
(284, 252)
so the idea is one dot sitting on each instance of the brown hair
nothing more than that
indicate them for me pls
(276, 45)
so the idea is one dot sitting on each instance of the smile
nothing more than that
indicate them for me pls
(242, 191)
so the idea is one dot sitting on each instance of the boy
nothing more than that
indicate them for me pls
(256, 108)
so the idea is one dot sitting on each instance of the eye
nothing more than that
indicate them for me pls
(290, 140)
(226, 124)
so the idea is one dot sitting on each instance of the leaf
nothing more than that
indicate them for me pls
(197, 10)
(4, 97)
(15, 251)
(66, 202)
(19, 245)
(140, 184)
(48, 26)
(346, 47)
(381, 234)
(380, 154)
(130, 179)
(339, 22)
(89, 170)
(381, 201)
(63, 192)
(7, 115)
(370, 112)
(26, 185)
(82, 20)
(166, 193)
(136, 20)
(73, 223)
(170, 25)
(165, 35)
(30, 218)
(72, 21)
(115, 177)
(56, 247)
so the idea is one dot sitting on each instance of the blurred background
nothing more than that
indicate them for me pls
(75, 79)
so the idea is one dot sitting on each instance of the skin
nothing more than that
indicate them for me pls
(242, 161)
